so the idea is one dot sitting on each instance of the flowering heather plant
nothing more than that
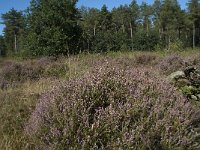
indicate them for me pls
(145, 59)
(10, 74)
(113, 107)
(45, 61)
(6, 63)
(15, 72)
(194, 60)
(111, 61)
(171, 64)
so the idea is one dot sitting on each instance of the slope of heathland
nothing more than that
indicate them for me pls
(119, 100)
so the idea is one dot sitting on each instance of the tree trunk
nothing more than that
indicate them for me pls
(186, 36)
(193, 36)
(131, 35)
(131, 30)
(88, 44)
(160, 33)
(179, 34)
(123, 28)
(169, 39)
(94, 30)
(15, 46)
(147, 27)
(160, 30)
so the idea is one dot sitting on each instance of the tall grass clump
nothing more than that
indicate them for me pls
(113, 108)
(16, 105)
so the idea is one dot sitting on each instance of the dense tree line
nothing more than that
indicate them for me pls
(51, 27)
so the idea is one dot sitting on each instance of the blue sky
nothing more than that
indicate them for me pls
(6, 5)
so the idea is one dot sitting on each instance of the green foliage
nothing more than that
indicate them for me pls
(109, 41)
(58, 27)
(187, 90)
(194, 20)
(14, 28)
(16, 106)
(53, 28)
(145, 41)
(176, 46)
(2, 46)
(14, 111)
(146, 13)
(105, 19)
(56, 70)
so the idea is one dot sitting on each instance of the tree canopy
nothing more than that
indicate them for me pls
(14, 26)
(51, 27)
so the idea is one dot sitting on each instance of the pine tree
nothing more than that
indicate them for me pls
(156, 16)
(134, 15)
(105, 19)
(194, 18)
(169, 20)
(90, 23)
(14, 27)
(146, 13)
(122, 17)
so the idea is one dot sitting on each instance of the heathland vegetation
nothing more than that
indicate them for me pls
(99, 101)
(83, 78)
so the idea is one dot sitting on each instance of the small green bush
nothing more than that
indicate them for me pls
(56, 70)
(176, 46)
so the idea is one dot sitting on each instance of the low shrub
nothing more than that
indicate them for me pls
(56, 70)
(194, 60)
(113, 108)
(176, 46)
(17, 72)
(145, 59)
(171, 63)
(122, 61)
